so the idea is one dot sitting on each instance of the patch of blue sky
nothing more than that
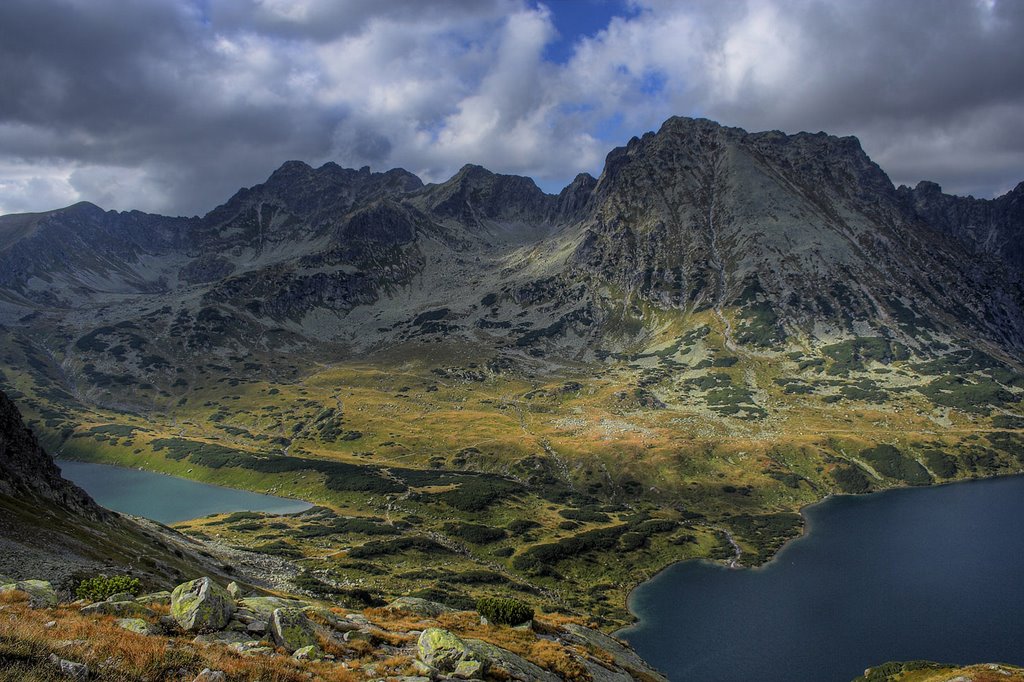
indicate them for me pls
(576, 19)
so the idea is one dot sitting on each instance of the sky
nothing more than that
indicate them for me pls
(170, 106)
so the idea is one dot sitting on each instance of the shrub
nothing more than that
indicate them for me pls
(504, 610)
(100, 587)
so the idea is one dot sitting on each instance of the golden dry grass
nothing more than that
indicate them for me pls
(119, 654)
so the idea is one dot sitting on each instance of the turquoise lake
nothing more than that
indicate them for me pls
(924, 573)
(167, 499)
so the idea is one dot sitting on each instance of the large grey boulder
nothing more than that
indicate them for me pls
(201, 605)
(292, 630)
(443, 650)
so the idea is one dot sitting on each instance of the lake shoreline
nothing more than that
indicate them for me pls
(806, 532)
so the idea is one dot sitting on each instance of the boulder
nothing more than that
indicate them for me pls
(163, 597)
(69, 669)
(308, 653)
(623, 655)
(121, 596)
(423, 607)
(210, 676)
(121, 609)
(136, 625)
(40, 593)
(251, 647)
(201, 605)
(235, 590)
(443, 650)
(292, 630)
(258, 627)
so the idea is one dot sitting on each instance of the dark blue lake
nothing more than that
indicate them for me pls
(167, 499)
(924, 573)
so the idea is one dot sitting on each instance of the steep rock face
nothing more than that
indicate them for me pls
(475, 195)
(26, 471)
(987, 226)
(804, 230)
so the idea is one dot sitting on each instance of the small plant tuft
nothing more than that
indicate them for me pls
(100, 587)
(504, 610)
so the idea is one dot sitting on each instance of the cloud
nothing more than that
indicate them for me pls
(170, 106)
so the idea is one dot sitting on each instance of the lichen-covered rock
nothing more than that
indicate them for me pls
(515, 667)
(136, 625)
(443, 650)
(235, 590)
(624, 657)
(121, 596)
(423, 607)
(201, 605)
(40, 593)
(308, 653)
(292, 630)
(121, 609)
(162, 597)
(469, 670)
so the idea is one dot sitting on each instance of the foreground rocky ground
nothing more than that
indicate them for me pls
(204, 632)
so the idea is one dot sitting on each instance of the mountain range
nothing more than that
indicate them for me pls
(668, 360)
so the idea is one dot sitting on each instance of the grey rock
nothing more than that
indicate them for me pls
(121, 609)
(70, 669)
(308, 653)
(292, 630)
(208, 675)
(121, 596)
(201, 605)
(443, 650)
(623, 655)
(160, 598)
(40, 593)
(136, 625)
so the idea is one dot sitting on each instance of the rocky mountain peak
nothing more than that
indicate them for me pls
(475, 194)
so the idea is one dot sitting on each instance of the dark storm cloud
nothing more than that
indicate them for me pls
(170, 105)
